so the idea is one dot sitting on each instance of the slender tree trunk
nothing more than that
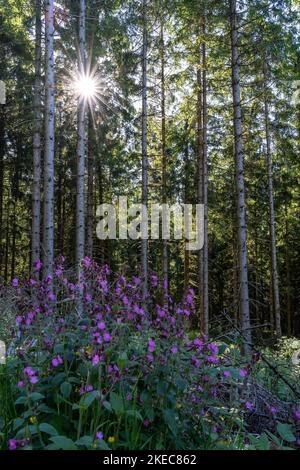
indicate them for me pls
(90, 192)
(48, 235)
(2, 151)
(186, 201)
(7, 238)
(200, 180)
(101, 200)
(205, 187)
(13, 241)
(81, 146)
(274, 269)
(36, 185)
(288, 277)
(240, 188)
(163, 146)
(60, 189)
(144, 150)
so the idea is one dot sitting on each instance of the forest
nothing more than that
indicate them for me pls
(149, 225)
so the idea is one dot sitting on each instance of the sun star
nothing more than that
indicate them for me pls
(85, 87)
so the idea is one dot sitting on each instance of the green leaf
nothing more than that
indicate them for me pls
(20, 400)
(169, 417)
(61, 442)
(89, 398)
(107, 405)
(85, 441)
(18, 422)
(101, 444)
(285, 432)
(48, 429)
(116, 402)
(134, 414)
(35, 396)
(66, 389)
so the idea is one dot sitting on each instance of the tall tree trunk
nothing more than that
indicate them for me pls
(60, 188)
(163, 146)
(144, 260)
(200, 178)
(81, 146)
(36, 185)
(205, 186)
(13, 240)
(288, 276)
(239, 178)
(2, 151)
(48, 235)
(274, 269)
(90, 191)
(186, 201)
(7, 237)
(101, 200)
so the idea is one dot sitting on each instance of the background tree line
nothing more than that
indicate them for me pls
(196, 103)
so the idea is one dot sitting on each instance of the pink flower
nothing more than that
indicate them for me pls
(199, 343)
(95, 360)
(151, 345)
(227, 374)
(106, 337)
(12, 444)
(297, 415)
(33, 380)
(249, 406)
(21, 384)
(56, 361)
(101, 325)
(272, 410)
(29, 371)
(38, 264)
(212, 359)
(160, 312)
(195, 361)
(243, 372)
(58, 272)
(213, 347)
(51, 296)
(86, 262)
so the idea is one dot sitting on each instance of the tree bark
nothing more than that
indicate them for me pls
(36, 185)
(205, 187)
(144, 260)
(186, 201)
(239, 180)
(48, 232)
(165, 266)
(274, 269)
(90, 192)
(81, 146)
(200, 178)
